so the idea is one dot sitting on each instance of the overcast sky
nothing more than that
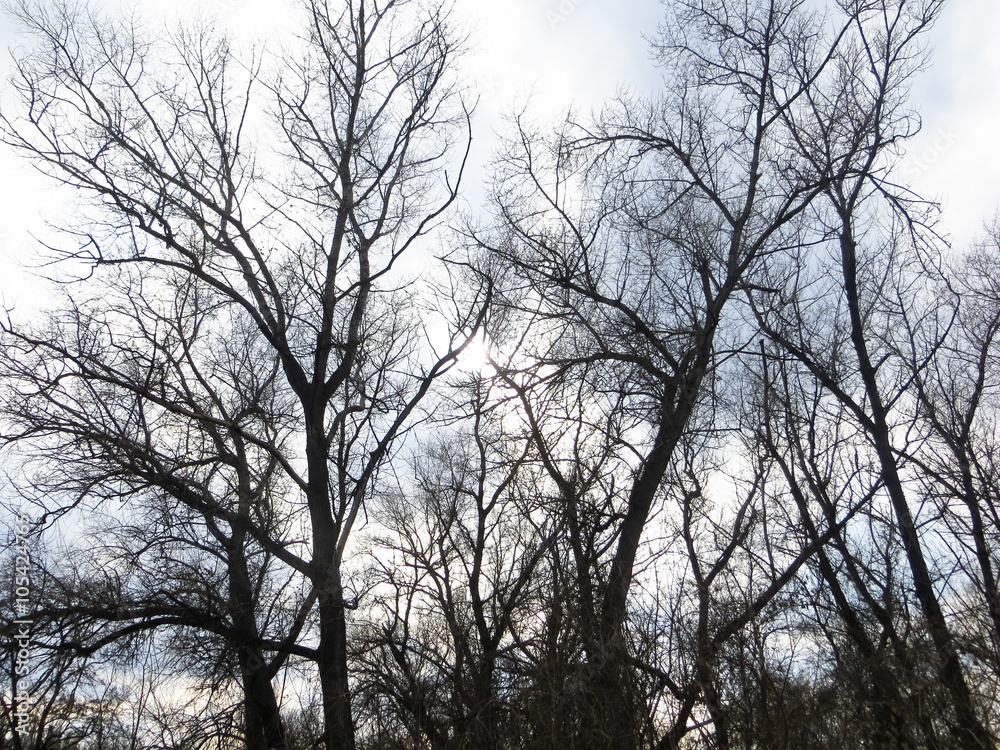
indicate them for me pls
(563, 52)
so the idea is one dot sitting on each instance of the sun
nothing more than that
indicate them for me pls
(476, 357)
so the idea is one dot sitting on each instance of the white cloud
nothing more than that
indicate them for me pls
(955, 158)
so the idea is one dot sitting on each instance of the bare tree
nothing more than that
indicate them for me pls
(626, 246)
(956, 399)
(298, 269)
(827, 467)
(459, 566)
(859, 120)
(182, 557)
(675, 508)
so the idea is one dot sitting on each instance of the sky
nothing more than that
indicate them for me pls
(553, 54)
(956, 157)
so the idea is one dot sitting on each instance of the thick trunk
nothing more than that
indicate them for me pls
(339, 724)
(484, 733)
(613, 692)
(639, 504)
(262, 717)
(338, 731)
(263, 727)
(706, 672)
(608, 709)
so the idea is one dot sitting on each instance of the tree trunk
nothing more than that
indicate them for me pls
(339, 731)
(969, 730)
(263, 726)
(332, 653)
(262, 717)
